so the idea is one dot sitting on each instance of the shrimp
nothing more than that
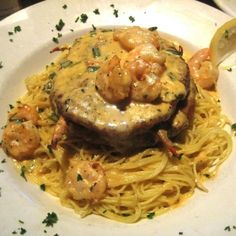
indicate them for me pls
(202, 70)
(145, 66)
(23, 113)
(112, 82)
(131, 37)
(21, 140)
(21, 137)
(86, 180)
(61, 129)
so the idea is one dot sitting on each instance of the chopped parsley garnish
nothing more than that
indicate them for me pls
(174, 51)
(96, 52)
(60, 25)
(226, 34)
(3, 161)
(229, 69)
(181, 233)
(42, 187)
(233, 127)
(22, 231)
(96, 11)
(14, 232)
(76, 20)
(49, 147)
(154, 28)
(20, 221)
(115, 13)
(125, 214)
(132, 19)
(50, 219)
(171, 75)
(151, 215)
(17, 29)
(54, 117)
(67, 104)
(11, 40)
(10, 33)
(83, 18)
(79, 177)
(94, 28)
(112, 5)
(59, 35)
(11, 106)
(48, 87)
(66, 63)
(22, 172)
(1, 66)
(93, 68)
(55, 40)
(56, 234)
(1, 171)
(227, 228)
(64, 6)
(52, 75)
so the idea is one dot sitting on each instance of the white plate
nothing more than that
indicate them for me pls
(190, 21)
(228, 6)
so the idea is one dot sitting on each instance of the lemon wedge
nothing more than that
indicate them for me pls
(223, 43)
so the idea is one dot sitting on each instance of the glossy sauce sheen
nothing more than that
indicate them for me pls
(77, 99)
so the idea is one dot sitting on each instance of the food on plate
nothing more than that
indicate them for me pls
(120, 125)
(223, 43)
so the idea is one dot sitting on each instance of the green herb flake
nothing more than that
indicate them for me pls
(227, 228)
(83, 18)
(153, 28)
(14, 232)
(11, 106)
(229, 69)
(10, 33)
(1, 171)
(22, 172)
(11, 40)
(56, 234)
(17, 29)
(3, 161)
(59, 35)
(1, 66)
(45, 231)
(42, 187)
(96, 52)
(49, 147)
(77, 19)
(181, 233)
(54, 117)
(112, 5)
(115, 13)
(233, 127)
(150, 215)
(96, 11)
(94, 28)
(234, 227)
(52, 75)
(66, 63)
(64, 6)
(79, 177)
(226, 34)
(132, 19)
(93, 68)
(55, 40)
(50, 220)
(21, 222)
(48, 87)
(60, 25)
(22, 231)
(125, 214)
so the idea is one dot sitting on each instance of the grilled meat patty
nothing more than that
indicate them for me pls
(133, 120)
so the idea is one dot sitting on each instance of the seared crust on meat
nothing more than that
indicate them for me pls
(128, 124)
